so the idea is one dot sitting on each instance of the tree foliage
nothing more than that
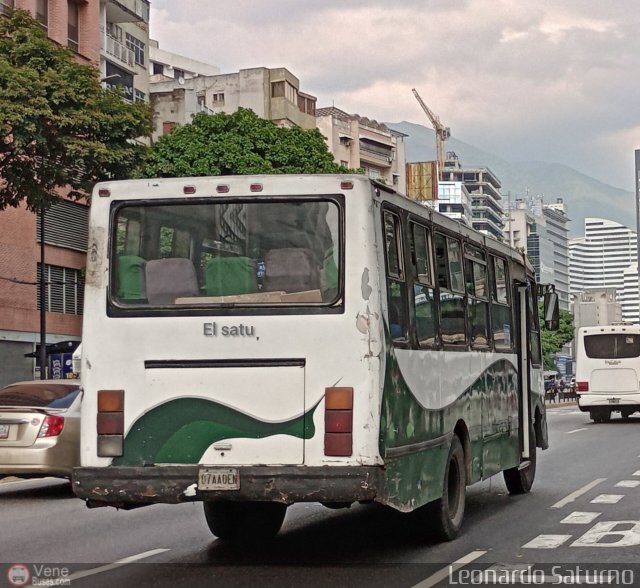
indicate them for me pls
(59, 128)
(239, 143)
(553, 341)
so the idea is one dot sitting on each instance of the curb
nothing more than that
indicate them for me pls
(560, 404)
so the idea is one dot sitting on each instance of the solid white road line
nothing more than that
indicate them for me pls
(444, 572)
(575, 431)
(571, 497)
(116, 564)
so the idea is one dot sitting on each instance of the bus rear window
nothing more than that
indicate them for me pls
(276, 252)
(612, 346)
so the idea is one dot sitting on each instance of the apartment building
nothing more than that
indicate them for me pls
(484, 190)
(359, 142)
(112, 36)
(124, 46)
(541, 231)
(606, 258)
(273, 94)
(165, 66)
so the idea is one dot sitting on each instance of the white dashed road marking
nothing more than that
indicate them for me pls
(571, 497)
(607, 499)
(636, 473)
(546, 542)
(116, 564)
(580, 518)
(575, 431)
(628, 483)
(445, 572)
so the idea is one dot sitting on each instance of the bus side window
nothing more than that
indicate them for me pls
(396, 284)
(423, 293)
(501, 326)
(476, 278)
(452, 298)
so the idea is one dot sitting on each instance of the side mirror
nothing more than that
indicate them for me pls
(551, 311)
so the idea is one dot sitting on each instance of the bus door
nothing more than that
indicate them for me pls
(527, 342)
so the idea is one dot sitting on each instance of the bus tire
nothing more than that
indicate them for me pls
(446, 514)
(244, 522)
(520, 480)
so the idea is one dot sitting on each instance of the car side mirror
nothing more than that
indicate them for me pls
(551, 311)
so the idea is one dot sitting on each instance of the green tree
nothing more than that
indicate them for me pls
(59, 128)
(239, 143)
(552, 341)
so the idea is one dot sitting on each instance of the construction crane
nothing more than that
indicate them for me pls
(442, 132)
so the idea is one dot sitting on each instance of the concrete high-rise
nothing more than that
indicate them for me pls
(606, 257)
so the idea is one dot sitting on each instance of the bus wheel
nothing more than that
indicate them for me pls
(519, 480)
(445, 515)
(244, 522)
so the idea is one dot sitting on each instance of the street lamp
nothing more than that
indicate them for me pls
(110, 78)
(43, 303)
(638, 222)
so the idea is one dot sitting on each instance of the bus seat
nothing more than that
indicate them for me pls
(170, 278)
(230, 276)
(131, 279)
(291, 270)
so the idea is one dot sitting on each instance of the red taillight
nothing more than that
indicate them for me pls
(582, 387)
(338, 422)
(110, 423)
(51, 426)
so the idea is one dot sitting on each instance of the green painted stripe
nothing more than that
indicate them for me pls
(181, 430)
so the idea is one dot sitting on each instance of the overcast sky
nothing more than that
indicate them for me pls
(547, 80)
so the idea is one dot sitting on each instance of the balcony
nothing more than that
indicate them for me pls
(6, 7)
(119, 52)
(127, 11)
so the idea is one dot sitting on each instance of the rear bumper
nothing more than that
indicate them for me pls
(131, 486)
(592, 400)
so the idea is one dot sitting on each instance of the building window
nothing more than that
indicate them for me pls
(178, 73)
(64, 289)
(7, 6)
(158, 69)
(139, 96)
(284, 90)
(73, 41)
(138, 47)
(218, 98)
(114, 31)
(66, 225)
(42, 13)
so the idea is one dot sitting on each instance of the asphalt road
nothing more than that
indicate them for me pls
(583, 511)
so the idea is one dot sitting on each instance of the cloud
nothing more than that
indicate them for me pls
(532, 79)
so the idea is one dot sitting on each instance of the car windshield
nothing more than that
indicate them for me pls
(280, 251)
(39, 395)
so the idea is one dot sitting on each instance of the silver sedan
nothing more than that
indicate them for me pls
(40, 428)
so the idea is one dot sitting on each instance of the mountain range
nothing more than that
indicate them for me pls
(583, 195)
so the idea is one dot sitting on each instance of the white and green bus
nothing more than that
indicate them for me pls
(256, 341)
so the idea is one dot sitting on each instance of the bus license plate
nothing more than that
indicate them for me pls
(614, 401)
(4, 431)
(218, 479)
